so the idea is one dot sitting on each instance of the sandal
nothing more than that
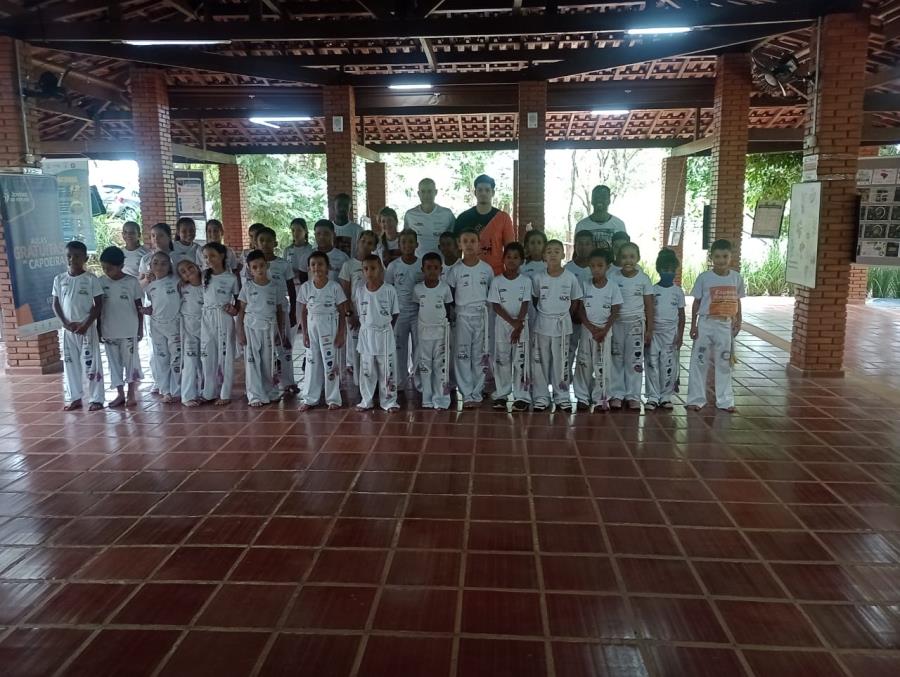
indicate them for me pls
(520, 405)
(615, 404)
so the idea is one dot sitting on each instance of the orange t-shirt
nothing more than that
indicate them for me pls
(495, 230)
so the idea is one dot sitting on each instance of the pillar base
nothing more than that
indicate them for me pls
(794, 370)
(51, 368)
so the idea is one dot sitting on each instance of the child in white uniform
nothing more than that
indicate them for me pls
(404, 274)
(184, 248)
(220, 290)
(449, 250)
(260, 330)
(434, 298)
(389, 240)
(134, 251)
(632, 331)
(580, 267)
(77, 302)
(379, 308)
(323, 306)
(535, 241)
(121, 326)
(164, 310)
(715, 321)
(346, 231)
(510, 296)
(470, 278)
(161, 241)
(215, 232)
(351, 278)
(668, 332)
(298, 250)
(324, 234)
(191, 290)
(253, 231)
(600, 306)
(556, 292)
(281, 272)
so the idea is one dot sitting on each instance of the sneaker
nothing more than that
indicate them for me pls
(539, 407)
(615, 404)
(499, 405)
(567, 407)
(668, 406)
(650, 406)
(582, 406)
(634, 405)
(520, 405)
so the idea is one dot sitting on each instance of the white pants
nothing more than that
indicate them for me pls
(405, 335)
(191, 370)
(81, 359)
(217, 353)
(261, 365)
(626, 372)
(322, 361)
(472, 358)
(352, 355)
(715, 343)
(512, 365)
(433, 369)
(378, 373)
(662, 365)
(286, 356)
(124, 361)
(591, 383)
(574, 341)
(550, 368)
(165, 337)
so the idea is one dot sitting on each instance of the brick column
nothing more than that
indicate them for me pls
(339, 101)
(530, 189)
(153, 146)
(235, 213)
(672, 202)
(731, 122)
(859, 274)
(833, 127)
(376, 188)
(35, 354)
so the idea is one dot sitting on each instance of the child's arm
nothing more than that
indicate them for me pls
(58, 311)
(303, 326)
(695, 315)
(92, 316)
(242, 337)
(679, 334)
(139, 307)
(519, 322)
(394, 319)
(648, 313)
(737, 321)
(503, 314)
(292, 299)
(342, 324)
(280, 337)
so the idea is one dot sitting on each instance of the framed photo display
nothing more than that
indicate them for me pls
(878, 231)
(767, 219)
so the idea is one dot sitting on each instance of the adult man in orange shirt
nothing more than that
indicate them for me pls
(494, 227)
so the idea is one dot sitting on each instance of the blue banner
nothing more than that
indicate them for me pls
(74, 189)
(29, 210)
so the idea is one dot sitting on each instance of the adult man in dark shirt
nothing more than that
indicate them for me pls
(494, 227)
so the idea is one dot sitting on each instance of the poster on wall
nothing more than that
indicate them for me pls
(878, 233)
(676, 230)
(767, 219)
(34, 243)
(74, 189)
(190, 196)
(803, 236)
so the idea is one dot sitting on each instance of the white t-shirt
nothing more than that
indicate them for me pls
(221, 290)
(598, 302)
(164, 298)
(376, 310)
(133, 258)
(510, 294)
(231, 260)
(76, 294)
(404, 277)
(336, 261)
(555, 296)
(428, 226)
(183, 252)
(349, 231)
(352, 272)
(295, 254)
(386, 246)
(531, 268)
(281, 272)
(582, 273)
(432, 302)
(119, 318)
(261, 303)
(633, 290)
(470, 286)
(191, 308)
(324, 301)
(666, 304)
(602, 232)
(719, 294)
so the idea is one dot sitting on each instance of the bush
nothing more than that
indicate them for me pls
(884, 282)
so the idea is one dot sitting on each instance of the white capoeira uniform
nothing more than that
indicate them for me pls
(261, 304)
(532, 268)
(626, 371)
(404, 277)
(550, 341)
(472, 350)
(591, 383)
(217, 336)
(378, 351)
(281, 272)
(512, 364)
(81, 352)
(336, 261)
(185, 252)
(232, 262)
(583, 273)
(191, 320)
(323, 359)
(433, 350)
(119, 329)
(662, 359)
(720, 297)
(165, 334)
(428, 227)
(132, 265)
(347, 234)
(351, 274)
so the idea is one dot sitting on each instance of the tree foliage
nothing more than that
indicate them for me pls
(769, 177)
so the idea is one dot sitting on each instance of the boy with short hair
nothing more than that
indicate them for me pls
(404, 273)
(77, 302)
(378, 309)
(715, 321)
(449, 248)
(618, 239)
(121, 325)
(668, 332)
(351, 278)
(281, 273)
(580, 267)
(434, 298)
(510, 296)
(470, 278)
(323, 232)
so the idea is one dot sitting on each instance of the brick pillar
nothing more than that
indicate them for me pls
(530, 193)
(36, 354)
(731, 122)
(859, 274)
(153, 146)
(235, 213)
(376, 188)
(833, 127)
(339, 101)
(672, 199)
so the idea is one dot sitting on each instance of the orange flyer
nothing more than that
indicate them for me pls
(723, 301)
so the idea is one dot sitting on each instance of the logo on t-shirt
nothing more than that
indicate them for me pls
(723, 301)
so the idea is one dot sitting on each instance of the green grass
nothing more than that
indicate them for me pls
(884, 282)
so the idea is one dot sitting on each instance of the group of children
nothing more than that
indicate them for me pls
(382, 319)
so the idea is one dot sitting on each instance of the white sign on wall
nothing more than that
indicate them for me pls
(803, 237)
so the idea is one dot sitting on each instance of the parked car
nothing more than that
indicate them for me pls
(121, 202)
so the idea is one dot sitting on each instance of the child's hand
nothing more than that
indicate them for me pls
(305, 340)
(231, 309)
(694, 333)
(678, 342)
(82, 328)
(140, 336)
(147, 310)
(292, 317)
(71, 326)
(648, 337)
(600, 334)
(286, 343)
(354, 322)
(242, 338)
(515, 335)
(736, 329)
(338, 340)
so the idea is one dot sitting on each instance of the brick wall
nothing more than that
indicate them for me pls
(731, 121)
(37, 354)
(235, 213)
(153, 146)
(376, 188)
(532, 142)
(339, 100)
(833, 126)
(672, 202)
